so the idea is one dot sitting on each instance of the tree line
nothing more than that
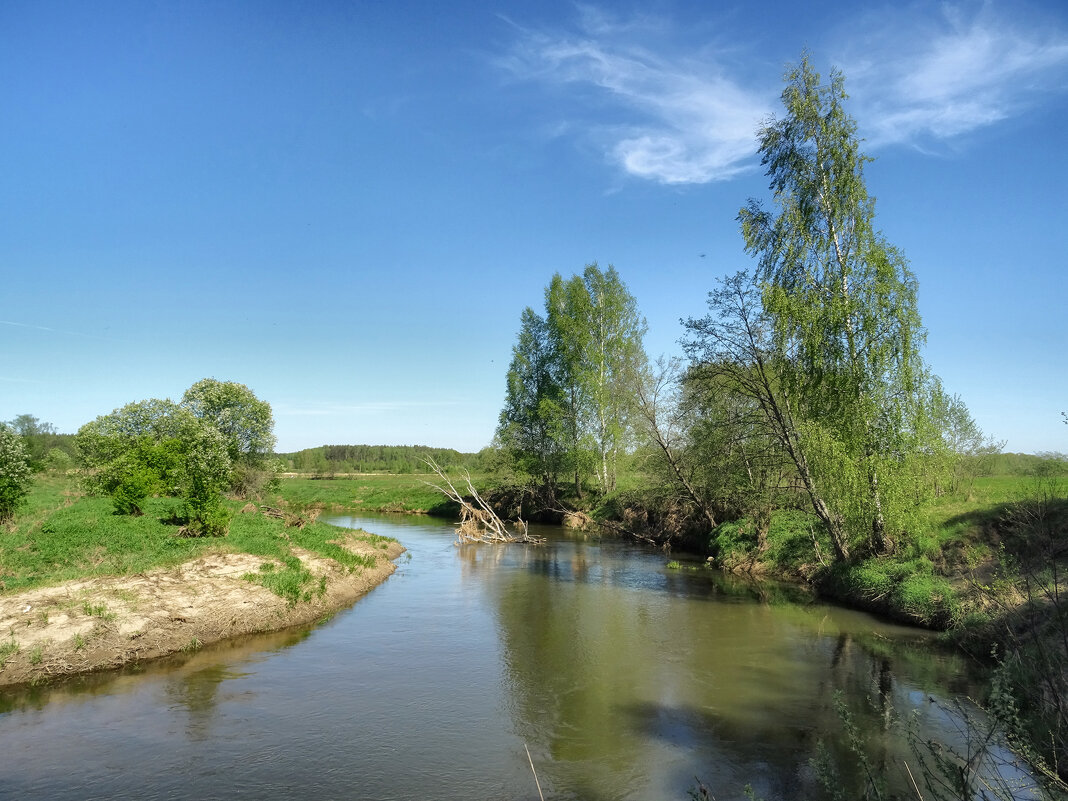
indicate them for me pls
(328, 460)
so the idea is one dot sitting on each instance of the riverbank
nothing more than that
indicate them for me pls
(83, 588)
(107, 622)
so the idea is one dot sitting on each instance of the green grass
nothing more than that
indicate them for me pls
(291, 581)
(56, 539)
(369, 493)
(8, 649)
(97, 610)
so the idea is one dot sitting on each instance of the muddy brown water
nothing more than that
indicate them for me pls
(625, 679)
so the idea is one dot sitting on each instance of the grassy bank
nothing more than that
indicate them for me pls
(62, 535)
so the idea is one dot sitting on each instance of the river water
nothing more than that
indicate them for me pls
(623, 678)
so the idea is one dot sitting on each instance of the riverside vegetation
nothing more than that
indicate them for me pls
(162, 486)
(804, 437)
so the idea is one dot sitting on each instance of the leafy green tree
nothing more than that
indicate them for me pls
(247, 426)
(566, 306)
(571, 398)
(612, 355)
(113, 445)
(159, 447)
(733, 349)
(842, 305)
(15, 474)
(244, 420)
(58, 460)
(531, 424)
(204, 473)
(596, 333)
(38, 438)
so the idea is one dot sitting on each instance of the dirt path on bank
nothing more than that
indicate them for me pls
(102, 623)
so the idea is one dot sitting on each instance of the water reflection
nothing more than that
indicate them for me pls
(632, 678)
(624, 678)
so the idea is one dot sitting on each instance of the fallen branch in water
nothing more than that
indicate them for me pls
(478, 521)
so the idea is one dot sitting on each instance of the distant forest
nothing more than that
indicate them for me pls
(328, 460)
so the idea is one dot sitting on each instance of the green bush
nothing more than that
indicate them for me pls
(735, 541)
(129, 494)
(210, 519)
(58, 461)
(15, 475)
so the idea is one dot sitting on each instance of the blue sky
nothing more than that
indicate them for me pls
(346, 206)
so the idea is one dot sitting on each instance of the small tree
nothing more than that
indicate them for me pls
(15, 476)
(530, 429)
(203, 475)
(247, 427)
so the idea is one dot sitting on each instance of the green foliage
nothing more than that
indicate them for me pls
(570, 393)
(40, 438)
(131, 491)
(205, 518)
(15, 475)
(809, 374)
(531, 428)
(842, 304)
(58, 460)
(735, 541)
(213, 441)
(244, 421)
(56, 540)
(329, 460)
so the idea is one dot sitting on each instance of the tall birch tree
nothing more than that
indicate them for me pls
(842, 302)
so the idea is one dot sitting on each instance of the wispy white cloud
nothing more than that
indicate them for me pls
(920, 77)
(687, 121)
(51, 330)
(916, 74)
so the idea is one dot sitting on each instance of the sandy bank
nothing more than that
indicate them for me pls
(104, 623)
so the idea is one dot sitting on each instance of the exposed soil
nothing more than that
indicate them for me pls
(104, 623)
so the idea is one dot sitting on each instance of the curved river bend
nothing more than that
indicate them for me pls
(625, 679)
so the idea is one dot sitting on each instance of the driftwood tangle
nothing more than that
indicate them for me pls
(478, 521)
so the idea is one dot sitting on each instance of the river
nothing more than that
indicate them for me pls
(625, 680)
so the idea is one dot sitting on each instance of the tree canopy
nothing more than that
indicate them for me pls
(245, 421)
(826, 340)
(192, 450)
(570, 391)
(15, 475)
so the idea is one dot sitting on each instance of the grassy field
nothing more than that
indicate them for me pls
(61, 535)
(369, 493)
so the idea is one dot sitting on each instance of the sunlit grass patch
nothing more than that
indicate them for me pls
(59, 539)
(290, 580)
(369, 493)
